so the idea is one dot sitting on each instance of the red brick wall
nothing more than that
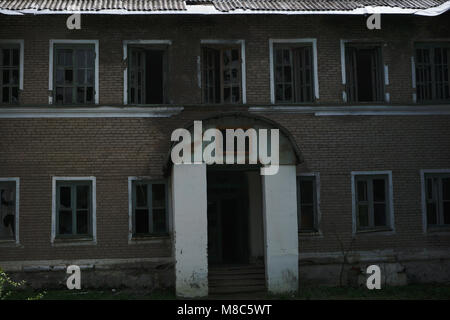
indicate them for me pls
(398, 33)
(112, 149)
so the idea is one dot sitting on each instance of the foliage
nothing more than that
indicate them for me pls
(9, 287)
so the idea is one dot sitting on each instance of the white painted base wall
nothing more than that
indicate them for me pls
(190, 229)
(280, 230)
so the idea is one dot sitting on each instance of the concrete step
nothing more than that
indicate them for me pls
(236, 290)
(237, 279)
(236, 283)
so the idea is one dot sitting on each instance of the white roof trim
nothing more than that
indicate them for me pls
(210, 9)
(89, 112)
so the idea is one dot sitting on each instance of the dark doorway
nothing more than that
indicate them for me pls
(228, 217)
(154, 81)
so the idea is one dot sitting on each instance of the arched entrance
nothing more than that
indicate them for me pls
(230, 214)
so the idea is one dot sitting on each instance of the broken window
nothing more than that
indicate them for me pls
(432, 72)
(74, 208)
(146, 76)
(437, 195)
(372, 202)
(293, 70)
(307, 204)
(364, 73)
(10, 73)
(74, 74)
(7, 210)
(149, 208)
(221, 69)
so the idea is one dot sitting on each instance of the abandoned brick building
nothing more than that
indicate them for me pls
(87, 114)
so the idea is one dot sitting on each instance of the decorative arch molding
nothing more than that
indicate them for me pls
(289, 151)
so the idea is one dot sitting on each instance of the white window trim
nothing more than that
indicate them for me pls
(132, 240)
(387, 96)
(94, 209)
(423, 172)
(16, 213)
(50, 69)
(243, 63)
(125, 55)
(313, 41)
(391, 200)
(413, 78)
(318, 211)
(21, 44)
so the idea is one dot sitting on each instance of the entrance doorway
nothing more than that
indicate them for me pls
(228, 217)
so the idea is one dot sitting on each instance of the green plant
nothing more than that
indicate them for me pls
(9, 287)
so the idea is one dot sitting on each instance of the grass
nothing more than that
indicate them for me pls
(106, 294)
(415, 292)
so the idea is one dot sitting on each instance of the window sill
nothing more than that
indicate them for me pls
(438, 230)
(310, 234)
(64, 242)
(9, 243)
(149, 239)
(381, 232)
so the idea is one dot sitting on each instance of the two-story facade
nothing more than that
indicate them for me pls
(87, 115)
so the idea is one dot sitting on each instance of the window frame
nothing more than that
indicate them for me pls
(294, 42)
(432, 45)
(132, 182)
(390, 223)
(315, 177)
(16, 240)
(52, 69)
(383, 70)
(73, 238)
(224, 44)
(16, 43)
(157, 44)
(424, 174)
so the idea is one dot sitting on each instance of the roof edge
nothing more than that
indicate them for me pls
(211, 10)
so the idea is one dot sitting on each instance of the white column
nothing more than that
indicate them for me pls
(190, 229)
(280, 230)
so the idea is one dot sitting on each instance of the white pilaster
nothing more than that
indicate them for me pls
(280, 230)
(190, 229)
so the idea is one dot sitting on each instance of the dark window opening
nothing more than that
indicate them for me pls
(146, 78)
(7, 210)
(307, 204)
(74, 74)
(372, 202)
(74, 209)
(432, 72)
(293, 71)
(437, 196)
(9, 74)
(149, 208)
(364, 73)
(221, 70)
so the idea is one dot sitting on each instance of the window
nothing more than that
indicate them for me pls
(293, 70)
(307, 204)
(74, 73)
(437, 197)
(10, 73)
(147, 69)
(222, 74)
(149, 208)
(432, 72)
(372, 201)
(9, 210)
(74, 209)
(364, 73)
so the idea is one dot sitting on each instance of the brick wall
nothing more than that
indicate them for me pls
(398, 34)
(112, 149)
